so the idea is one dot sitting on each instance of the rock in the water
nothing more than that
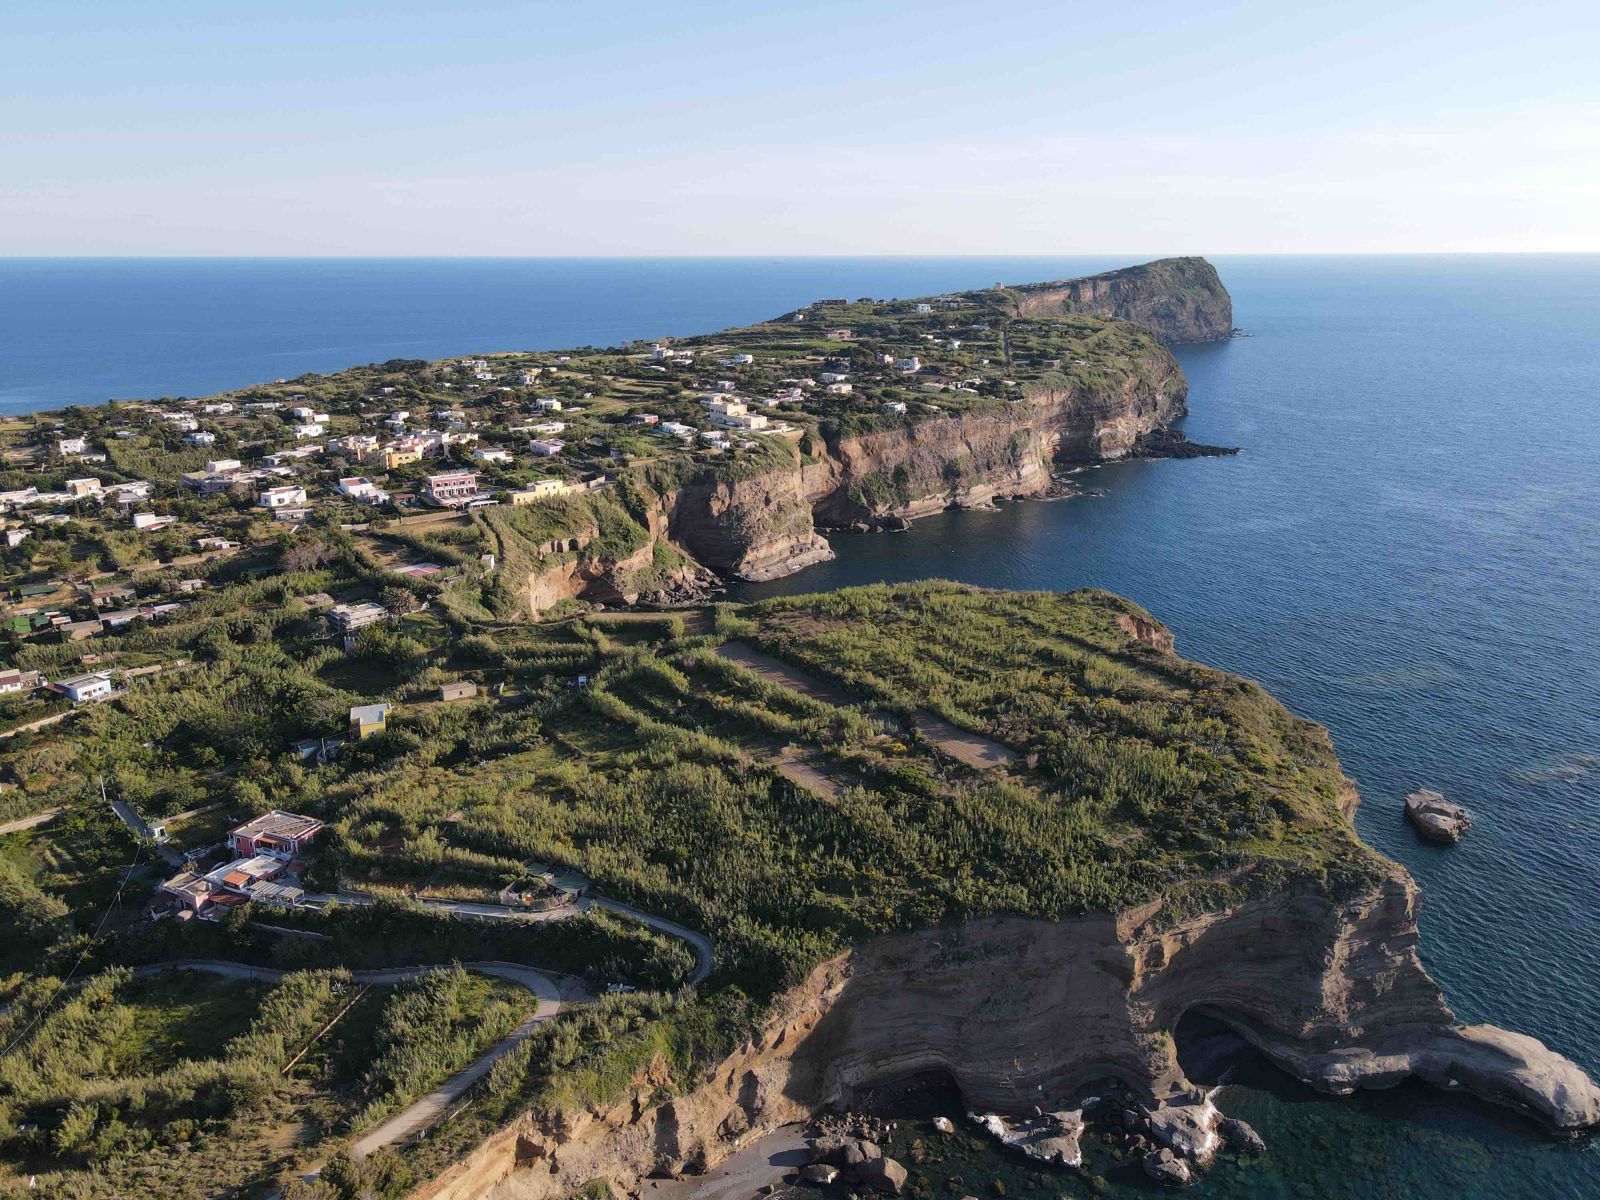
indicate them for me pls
(1189, 1128)
(820, 1173)
(1241, 1137)
(1436, 818)
(1048, 1137)
(944, 1124)
(881, 1175)
(1173, 1172)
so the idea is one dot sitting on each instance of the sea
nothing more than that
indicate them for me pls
(1407, 550)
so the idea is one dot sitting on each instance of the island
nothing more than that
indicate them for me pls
(434, 831)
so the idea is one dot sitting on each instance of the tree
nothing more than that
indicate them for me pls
(305, 555)
(399, 600)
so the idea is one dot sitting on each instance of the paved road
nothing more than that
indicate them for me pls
(704, 951)
(425, 1111)
(32, 822)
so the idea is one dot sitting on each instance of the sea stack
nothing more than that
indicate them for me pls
(1435, 818)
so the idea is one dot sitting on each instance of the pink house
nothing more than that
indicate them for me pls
(280, 835)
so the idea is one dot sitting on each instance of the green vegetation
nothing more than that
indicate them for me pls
(657, 758)
(787, 820)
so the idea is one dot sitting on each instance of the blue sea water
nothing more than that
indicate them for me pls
(1407, 550)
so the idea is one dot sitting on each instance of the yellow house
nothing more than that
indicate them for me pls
(368, 719)
(543, 489)
(400, 458)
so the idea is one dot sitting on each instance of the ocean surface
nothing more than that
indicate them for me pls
(1407, 550)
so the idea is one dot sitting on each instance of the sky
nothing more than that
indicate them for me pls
(315, 127)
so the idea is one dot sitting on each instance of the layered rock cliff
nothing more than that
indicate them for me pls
(1022, 1013)
(1181, 299)
(764, 526)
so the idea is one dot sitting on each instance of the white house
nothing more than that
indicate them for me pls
(549, 404)
(909, 365)
(839, 389)
(894, 406)
(83, 487)
(492, 454)
(72, 445)
(363, 490)
(924, 308)
(147, 521)
(80, 689)
(546, 427)
(200, 437)
(282, 497)
(220, 409)
(18, 681)
(221, 466)
(547, 447)
(309, 430)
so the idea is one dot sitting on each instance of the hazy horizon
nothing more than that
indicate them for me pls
(168, 128)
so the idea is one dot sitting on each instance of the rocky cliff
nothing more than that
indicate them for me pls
(970, 459)
(1181, 299)
(1022, 1013)
(764, 526)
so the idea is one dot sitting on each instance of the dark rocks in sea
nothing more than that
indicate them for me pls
(1165, 1167)
(1436, 818)
(1241, 1137)
(1172, 443)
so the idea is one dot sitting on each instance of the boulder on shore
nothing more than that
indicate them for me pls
(1436, 818)
(1165, 1167)
(881, 1175)
(1241, 1137)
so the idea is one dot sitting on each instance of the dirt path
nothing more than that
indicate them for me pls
(802, 768)
(41, 723)
(741, 1175)
(775, 670)
(37, 819)
(973, 749)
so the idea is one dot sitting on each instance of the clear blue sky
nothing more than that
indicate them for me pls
(304, 127)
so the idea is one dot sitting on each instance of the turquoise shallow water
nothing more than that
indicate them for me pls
(1408, 550)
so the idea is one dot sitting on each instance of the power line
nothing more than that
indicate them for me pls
(84, 953)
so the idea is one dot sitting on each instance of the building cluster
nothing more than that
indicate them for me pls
(262, 863)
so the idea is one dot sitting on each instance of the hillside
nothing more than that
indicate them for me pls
(813, 783)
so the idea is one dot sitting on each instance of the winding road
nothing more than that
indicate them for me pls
(551, 998)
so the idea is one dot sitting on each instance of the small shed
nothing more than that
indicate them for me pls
(461, 690)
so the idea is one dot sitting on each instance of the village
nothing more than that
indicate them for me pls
(129, 507)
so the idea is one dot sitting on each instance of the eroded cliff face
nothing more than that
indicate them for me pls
(764, 526)
(969, 460)
(1025, 1012)
(758, 528)
(1181, 299)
